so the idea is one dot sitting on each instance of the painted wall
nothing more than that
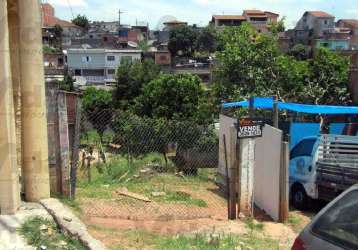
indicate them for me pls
(333, 44)
(267, 171)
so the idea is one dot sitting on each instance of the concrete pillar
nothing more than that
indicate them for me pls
(9, 179)
(13, 19)
(34, 122)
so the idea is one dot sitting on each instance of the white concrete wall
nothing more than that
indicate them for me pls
(267, 171)
(246, 175)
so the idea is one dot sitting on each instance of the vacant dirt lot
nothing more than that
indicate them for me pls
(190, 211)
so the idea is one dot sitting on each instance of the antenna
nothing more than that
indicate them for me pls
(119, 17)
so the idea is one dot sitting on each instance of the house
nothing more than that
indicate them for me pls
(173, 24)
(332, 44)
(353, 75)
(162, 58)
(98, 66)
(352, 25)
(314, 24)
(109, 27)
(257, 18)
(49, 20)
(334, 39)
(227, 20)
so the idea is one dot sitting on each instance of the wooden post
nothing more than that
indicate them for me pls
(233, 173)
(275, 112)
(238, 178)
(33, 113)
(75, 148)
(284, 199)
(251, 107)
(64, 148)
(9, 178)
(227, 177)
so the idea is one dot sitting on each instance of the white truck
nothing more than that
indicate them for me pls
(322, 167)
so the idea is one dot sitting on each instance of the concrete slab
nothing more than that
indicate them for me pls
(10, 239)
(70, 224)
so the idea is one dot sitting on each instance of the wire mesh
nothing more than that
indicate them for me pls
(148, 169)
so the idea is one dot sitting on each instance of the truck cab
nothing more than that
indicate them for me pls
(302, 172)
(322, 167)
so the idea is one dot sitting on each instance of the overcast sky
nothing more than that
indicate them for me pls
(196, 11)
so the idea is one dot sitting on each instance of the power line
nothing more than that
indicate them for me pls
(69, 5)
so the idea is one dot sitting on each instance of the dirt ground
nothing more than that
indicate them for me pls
(107, 221)
(110, 216)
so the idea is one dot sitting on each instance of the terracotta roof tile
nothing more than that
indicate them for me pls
(351, 22)
(229, 17)
(254, 12)
(319, 14)
(49, 21)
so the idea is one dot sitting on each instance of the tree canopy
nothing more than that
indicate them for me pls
(97, 105)
(131, 77)
(251, 64)
(207, 39)
(81, 21)
(182, 40)
(177, 97)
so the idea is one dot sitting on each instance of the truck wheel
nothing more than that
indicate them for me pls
(299, 197)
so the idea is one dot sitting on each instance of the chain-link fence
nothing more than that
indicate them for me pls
(148, 169)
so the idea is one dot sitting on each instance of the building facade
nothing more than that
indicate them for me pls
(352, 26)
(257, 18)
(98, 66)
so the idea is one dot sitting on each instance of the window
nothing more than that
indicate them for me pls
(339, 225)
(111, 58)
(325, 22)
(86, 59)
(304, 148)
(111, 71)
(78, 72)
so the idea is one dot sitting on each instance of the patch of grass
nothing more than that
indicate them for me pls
(106, 178)
(253, 225)
(293, 220)
(41, 232)
(139, 239)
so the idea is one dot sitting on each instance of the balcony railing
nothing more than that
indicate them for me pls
(95, 79)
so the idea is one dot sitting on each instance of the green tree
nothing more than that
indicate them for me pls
(278, 27)
(131, 77)
(97, 106)
(252, 65)
(247, 63)
(300, 52)
(81, 21)
(144, 46)
(207, 40)
(329, 78)
(67, 84)
(182, 40)
(173, 97)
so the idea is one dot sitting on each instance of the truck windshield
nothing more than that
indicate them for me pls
(339, 224)
(304, 148)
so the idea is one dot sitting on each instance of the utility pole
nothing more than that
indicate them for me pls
(119, 17)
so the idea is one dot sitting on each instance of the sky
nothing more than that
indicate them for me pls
(195, 11)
